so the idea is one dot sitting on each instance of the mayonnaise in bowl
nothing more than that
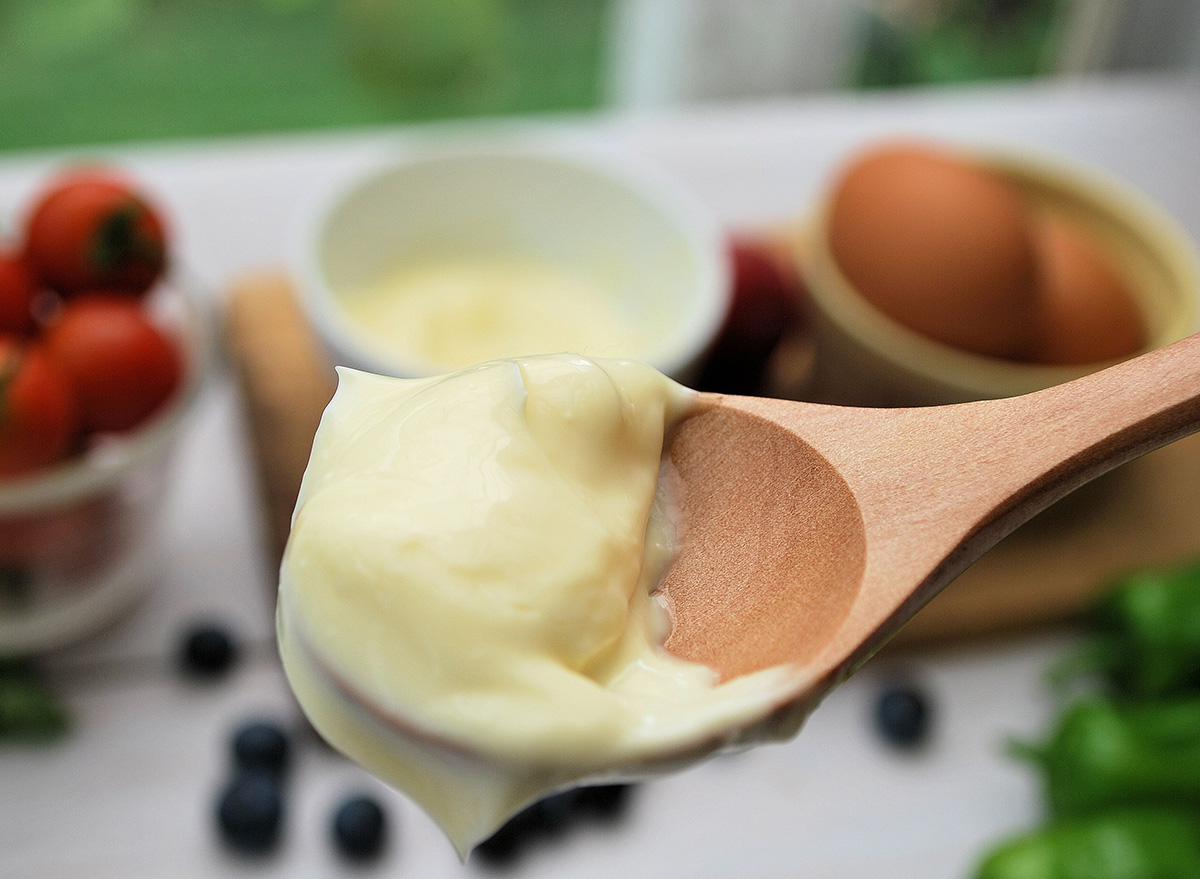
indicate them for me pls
(452, 313)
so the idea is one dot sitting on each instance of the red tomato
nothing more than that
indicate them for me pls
(81, 539)
(123, 367)
(17, 289)
(92, 230)
(767, 301)
(766, 295)
(38, 411)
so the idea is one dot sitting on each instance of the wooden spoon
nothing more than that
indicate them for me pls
(811, 533)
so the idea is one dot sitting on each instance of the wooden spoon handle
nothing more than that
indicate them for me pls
(1064, 436)
(990, 466)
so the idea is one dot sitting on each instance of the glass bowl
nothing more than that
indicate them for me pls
(75, 540)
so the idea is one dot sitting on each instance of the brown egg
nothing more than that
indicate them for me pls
(1083, 311)
(938, 243)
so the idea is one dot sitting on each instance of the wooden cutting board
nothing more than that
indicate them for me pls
(1146, 513)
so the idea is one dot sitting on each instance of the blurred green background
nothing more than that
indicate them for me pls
(91, 71)
(76, 72)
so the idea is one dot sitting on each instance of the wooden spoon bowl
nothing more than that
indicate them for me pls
(772, 532)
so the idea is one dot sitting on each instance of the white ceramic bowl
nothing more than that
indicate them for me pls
(621, 227)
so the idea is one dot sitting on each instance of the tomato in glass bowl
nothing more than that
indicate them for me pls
(76, 538)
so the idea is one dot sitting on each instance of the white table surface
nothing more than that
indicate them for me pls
(129, 794)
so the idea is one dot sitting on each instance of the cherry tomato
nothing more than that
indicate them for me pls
(93, 230)
(767, 299)
(17, 289)
(80, 539)
(123, 367)
(38, 411)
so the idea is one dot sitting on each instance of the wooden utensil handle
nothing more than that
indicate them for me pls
(938, 486)
(957, 479)
(1084, 427)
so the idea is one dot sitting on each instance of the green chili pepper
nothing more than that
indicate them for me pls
(1105, 753)
(1145, 635)
(1149, 843)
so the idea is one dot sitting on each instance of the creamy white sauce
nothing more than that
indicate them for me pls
(466, 602)
(454, 313)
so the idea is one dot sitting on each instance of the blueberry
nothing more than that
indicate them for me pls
(902, 716)
(250, 813)
(207, 651)
(261, 744)
(606, 802)
(553, 814)
(504, 846)
(359, 828)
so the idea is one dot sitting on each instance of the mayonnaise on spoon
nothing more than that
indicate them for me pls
(466, 600)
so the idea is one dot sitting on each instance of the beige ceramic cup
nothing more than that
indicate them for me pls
(865, 358)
